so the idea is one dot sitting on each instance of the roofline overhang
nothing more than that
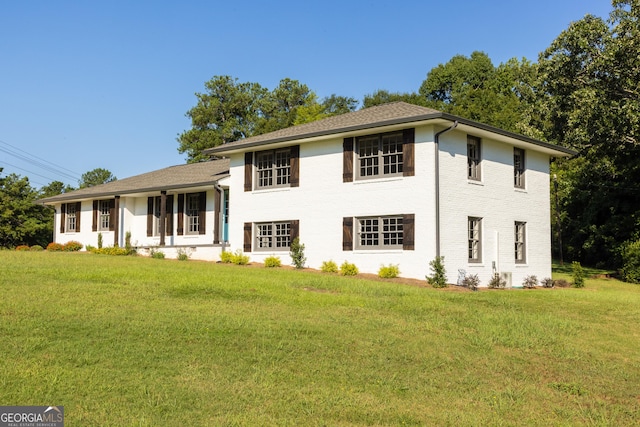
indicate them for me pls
(64, 197)
(239, 148)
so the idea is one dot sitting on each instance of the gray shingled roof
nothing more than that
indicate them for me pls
(173, 177)
(367, 118)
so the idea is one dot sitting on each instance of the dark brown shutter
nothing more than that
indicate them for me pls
(78, 208)
(94, 224)
(408, 232)
(295, 166)
(217, 204)
(112, 214)
(150, 216)
(63, 218)
(347, 160)
(169, 219)
(180, 230)
(248, 171)
(295, 229)
(347, 233)
(247, 236)
(408, 152)
(202, 213)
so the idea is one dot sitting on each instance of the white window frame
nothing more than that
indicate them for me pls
(71, 219)
(379, 232)
(192, 213)
(520, 240)
(519, 166)
(474, 158)
(104, 215)
(273, 168)
(474, 239)
(379, 155)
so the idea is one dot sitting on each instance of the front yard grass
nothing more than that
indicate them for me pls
(136, 341)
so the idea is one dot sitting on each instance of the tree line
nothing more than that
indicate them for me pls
(582, 93)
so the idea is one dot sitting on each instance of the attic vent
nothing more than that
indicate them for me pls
(506, 276)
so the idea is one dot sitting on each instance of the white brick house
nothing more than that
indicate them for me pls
(392, 184)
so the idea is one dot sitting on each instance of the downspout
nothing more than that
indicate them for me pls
(220, 224)
(437, 183)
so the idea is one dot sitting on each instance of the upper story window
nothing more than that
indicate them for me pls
(474, 237)
(272, 168)
(380, 155)
(104, 215)
(473, 158)
(520, 242)
(518, 167)
(72, 214)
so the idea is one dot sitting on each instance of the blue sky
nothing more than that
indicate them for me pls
(106, 84)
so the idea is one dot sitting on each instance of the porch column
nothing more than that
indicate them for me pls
(163, 216)
(116, 221)
(217, 203)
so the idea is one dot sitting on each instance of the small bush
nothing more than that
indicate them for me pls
(297, 253)
(127, 241)
(438, 278)
(578, 275)
(183, 255)
(389, 272)
(547, 282)
(36, 248)
(471, 281)
(630, 271)
(109, 250)
(239, 258)
(226, 257)
(497, 282)
(348, 269)
(530, 282)
(272, 261)
(72, 246)
(55, 247)
(329, 267)
(99, 240)
(22, 248)
(155, 253)
(561, 283)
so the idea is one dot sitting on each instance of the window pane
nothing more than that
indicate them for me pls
(283, 167)
(265, 169)
(368, 155)
(369, 232)
(392, 153)
(192, 211)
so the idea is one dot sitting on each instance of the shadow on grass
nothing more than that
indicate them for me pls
(566, 268)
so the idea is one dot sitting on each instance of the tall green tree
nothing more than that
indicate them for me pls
(95, 177)
(590, 99)
(22, 222)
(382, 96)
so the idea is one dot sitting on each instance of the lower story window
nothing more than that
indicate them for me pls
(474, 236)
(104, 214)
(193, 213)
(71, 217)
(273, 236)
(520, 241)
(384, 232)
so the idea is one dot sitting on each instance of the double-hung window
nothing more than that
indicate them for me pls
(474, 238)
(104, 215)
(518, 167)
(380, 155)
(473, 158)
(192, 213)
(71, 217)
(273, 236)
(273, 168)
(383, 232)
(520, 242)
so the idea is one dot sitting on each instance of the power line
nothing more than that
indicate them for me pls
(38, 162)
(26, 170)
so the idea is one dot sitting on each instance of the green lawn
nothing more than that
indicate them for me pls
(126, 341)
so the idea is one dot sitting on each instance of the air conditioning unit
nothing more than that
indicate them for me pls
(506, 276)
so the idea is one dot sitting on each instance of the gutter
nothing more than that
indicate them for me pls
(437, 181)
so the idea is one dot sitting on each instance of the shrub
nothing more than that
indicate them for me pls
(239, 258)
(578, 275)
(156, 253)
(329, 267)
(561, 283)
(530, 282)
(99, 240)
(72, 246)
(55, 247)
(389, 272)
(226, 257)
(471, 281)
(297, 253)
(22, 248)
(183, 255)
(348, 269)
(630, 271)
(272, 261)
(497, 282)
(36, 248)
(547, 282)
(109, 250)
(438, 278)
(127, 241)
